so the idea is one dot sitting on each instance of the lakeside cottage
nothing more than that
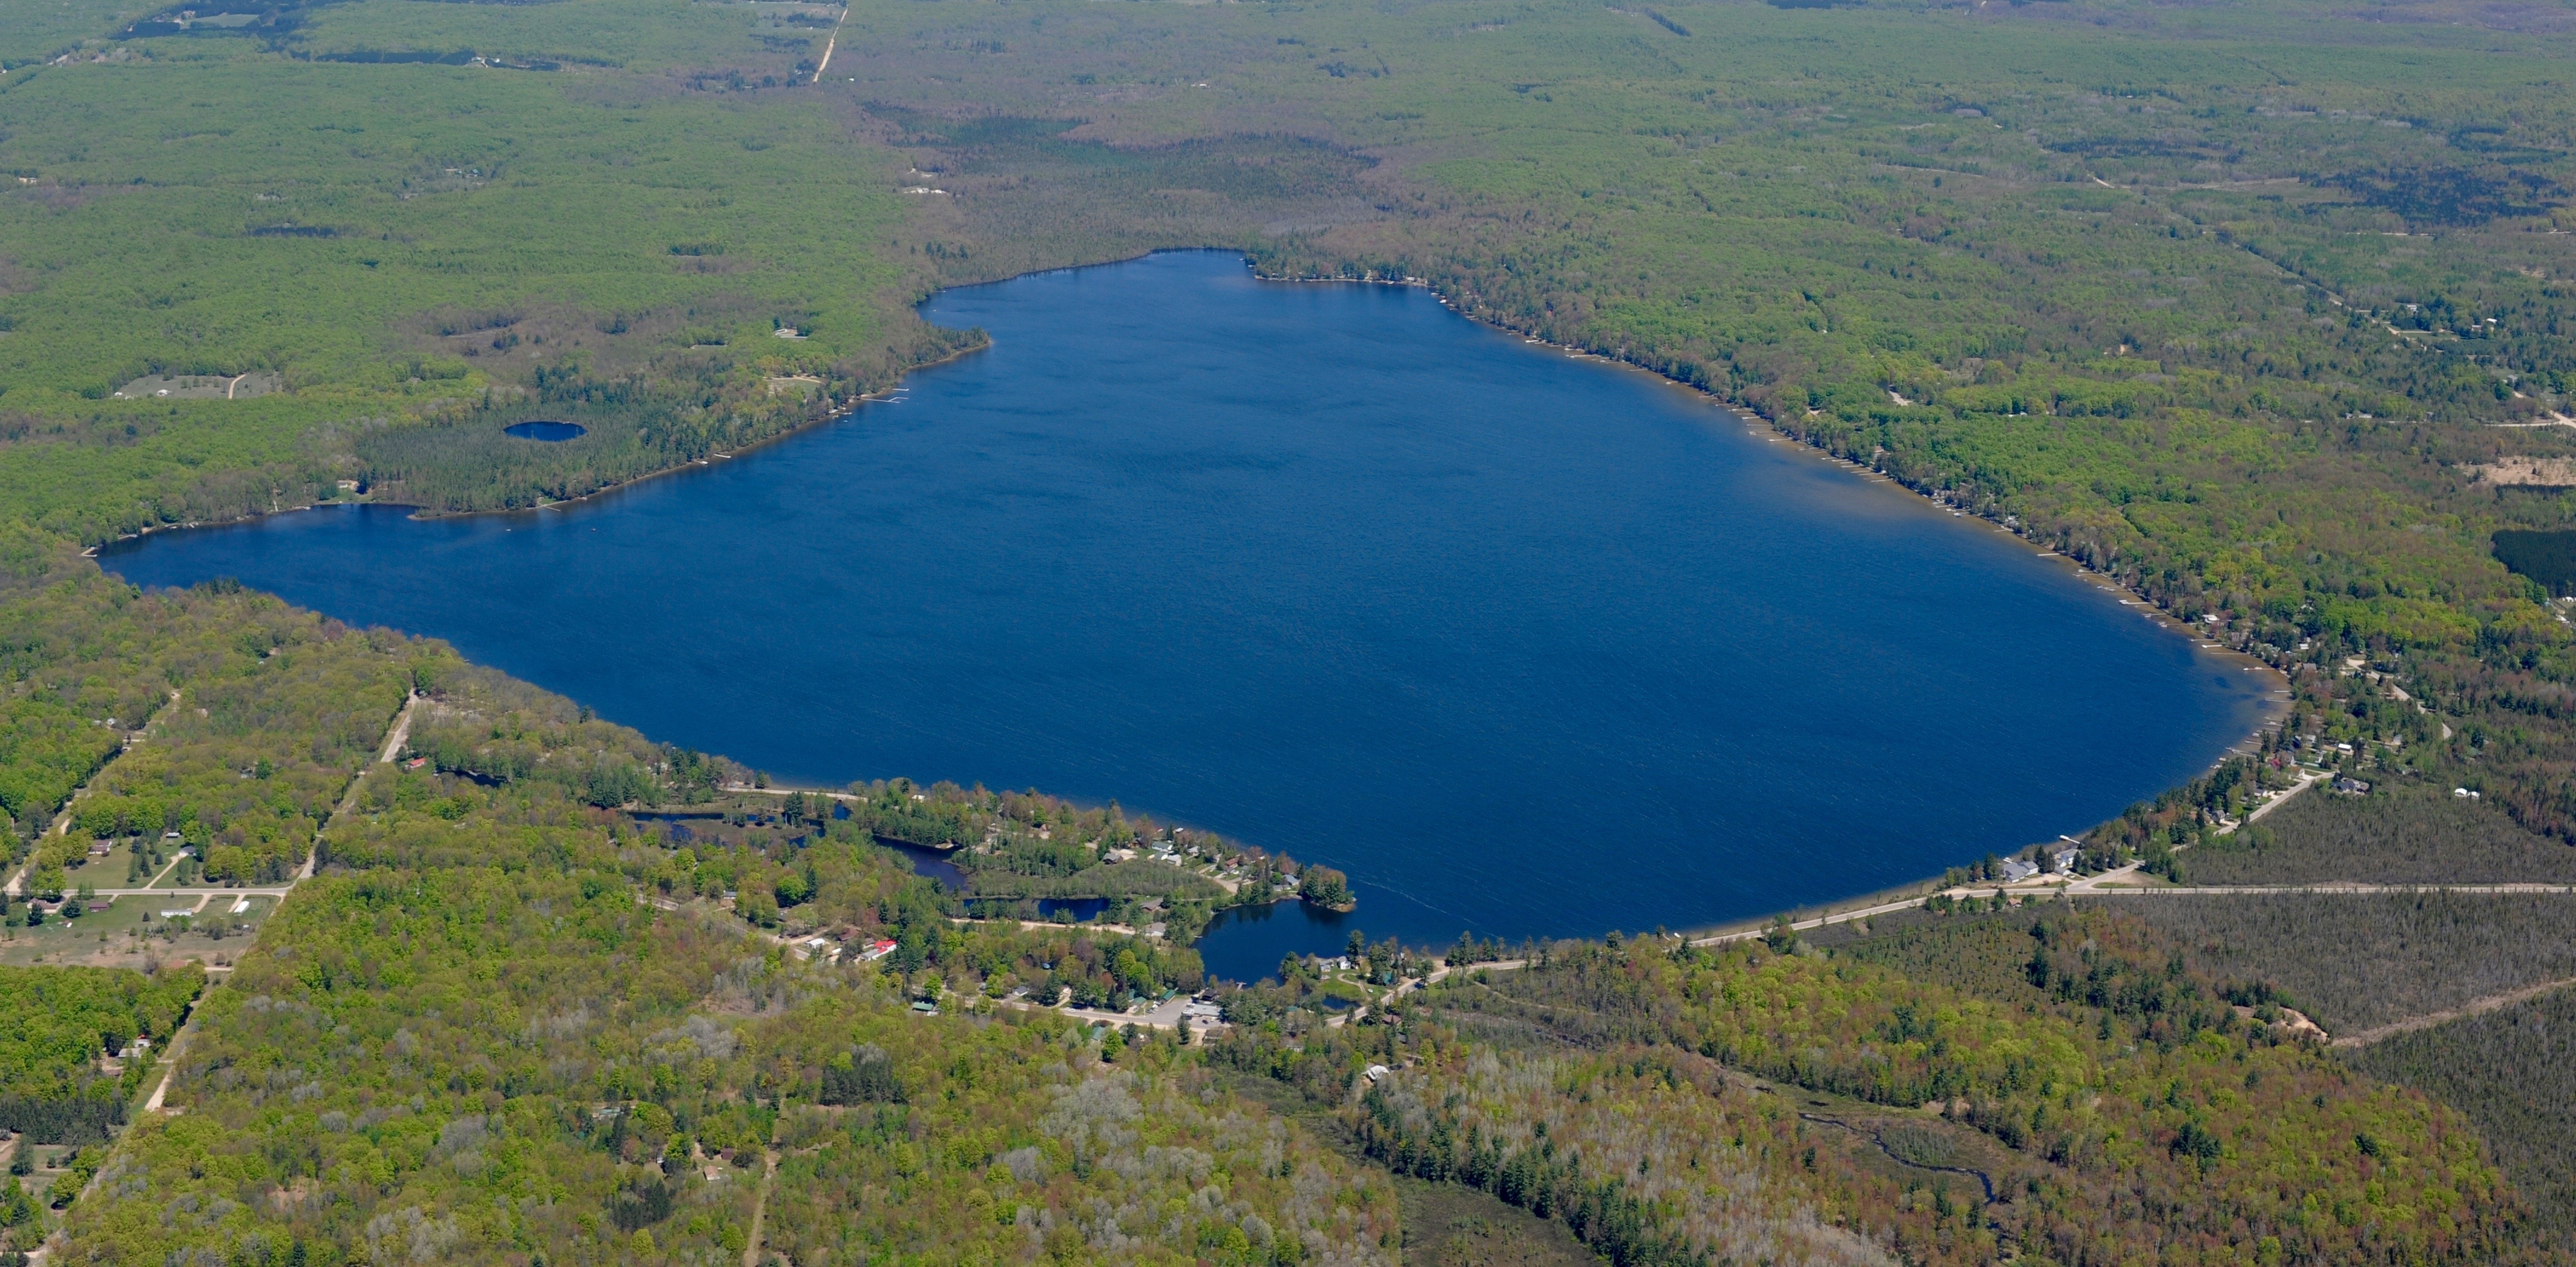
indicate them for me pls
(2016, 870)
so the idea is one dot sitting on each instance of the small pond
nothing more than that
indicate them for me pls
(931, 863)
(548, 432)
(1071, 910)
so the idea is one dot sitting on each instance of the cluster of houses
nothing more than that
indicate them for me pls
(830, 951)
(2061, 861)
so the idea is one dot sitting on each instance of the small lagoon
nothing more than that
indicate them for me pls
(1526, 643)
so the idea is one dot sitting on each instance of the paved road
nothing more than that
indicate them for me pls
(2283, 799)
(1838, 917)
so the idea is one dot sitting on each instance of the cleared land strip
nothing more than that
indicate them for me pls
(2474, 1007)
(395, 736)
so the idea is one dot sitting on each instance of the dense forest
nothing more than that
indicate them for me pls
(55, 1086)
(2508, 1072)
(1815, 1106)
(2410, 835)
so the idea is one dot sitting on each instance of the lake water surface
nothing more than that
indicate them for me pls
(1525, 643)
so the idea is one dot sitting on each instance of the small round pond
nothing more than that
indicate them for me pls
(548, 432)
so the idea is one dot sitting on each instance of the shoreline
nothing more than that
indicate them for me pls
(2271, 706)
(837, 414)
(2272, 710)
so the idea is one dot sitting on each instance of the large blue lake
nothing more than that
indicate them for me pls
(1527, 644)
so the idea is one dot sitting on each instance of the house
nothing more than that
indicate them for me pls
(1375, 1072)
(2015, 870)
(925, 1008)
(101, 848)
(184, 912)
(2464, 794)
(2351, 787)
(1152, 930)
(1207, 1011)
(876, 950)
(2063, 860)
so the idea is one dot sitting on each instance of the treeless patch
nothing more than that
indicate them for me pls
(2536, 472)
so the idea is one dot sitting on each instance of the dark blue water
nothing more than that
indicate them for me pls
(1524, 643)
(547, 432)
(931, 864)
(1071, 910)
